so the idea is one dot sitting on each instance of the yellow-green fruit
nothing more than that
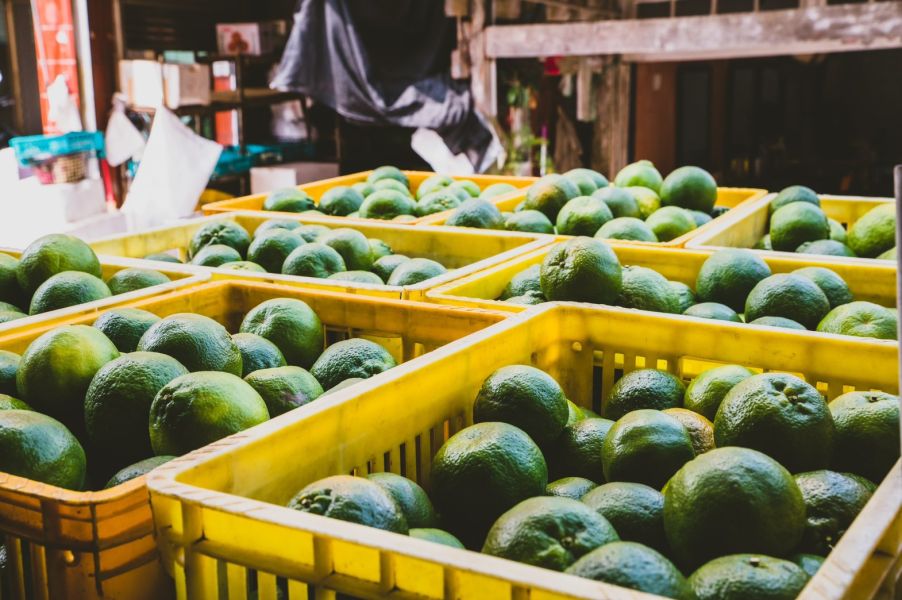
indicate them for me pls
(39, 448)
(548, 532)
(197, 409)
(57, 369)
(353, 247)
(125, 326)
(642, 173)
(225, 233)
(290, 200)
(291, 325)
(670, 222)
(257, 353)
(271, 249)
(796, 223)
(780, 415)
(415, 270)
(69, 288)
(284, 388)
(129, 280)
(875, 232)
(691, 188)
(54, 254)
(581, 270)
(387, 172)
(703, 499)
(353, 358)
(117, 405)
(215, 255)
(340, 201)
(196, 341)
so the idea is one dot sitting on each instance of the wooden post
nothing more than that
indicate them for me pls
(610, 152)
(506, 9)
(483, 82)
(457, 8)
(585, 102)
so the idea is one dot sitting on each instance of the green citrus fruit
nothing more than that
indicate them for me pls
(411, 498)
(794, 193)
(437, 201)
(647, 199)
(355, 357)
(196, 341)
(705, 393)
(139, 469)
(646, 446)
(796, 223)
(583, 215)
(861, 319)
(549, 195)
(645, 289)
(284, 388)
(670, 222)
(291, 325)
(197, 409)
(497, 189)
(778, 322)
(10, 291)
(832, 501)
(691, 188)
(577, 451)
(713, 310)
(827, 247)
(352, 499)
(215, 255)
(37, 447)
(530, 221)
(483, 471)
(129, 280)
(644, 388)
(65, 289)
(477, 213)
(684, 294)
(748, 577)
(570, 487)
(257, 353)
(125, 326)
(526, 397)
(700, 428)
(548, 532)
(704, 498)
(117, 405)
(875, 232)
(387, 172)
(833, 286)
(385, 266)
(619, 201)
(224, 233)
(525, 282)
(52, 254)
(290, 200)
(635, 510)
(386, 205)
(414, 271)
(642, 173)
(634, 566)
(57, 368)
(9, 366)
(626, 228)
(340, 201)
(727, 276)
(810, 563)
(436, 536)
(243, 265)
(582, 270)
(790, 296)
(867, 433)
(314, 260)
(353, 247)
(780, 415)
(272, 248)
(269, 224)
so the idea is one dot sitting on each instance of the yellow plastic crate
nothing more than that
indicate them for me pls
(181, 276)
(731, 198)
(66, 544)
(874, 282)
(462, 251)
(225, 517)
(743, 228)
(317, 188)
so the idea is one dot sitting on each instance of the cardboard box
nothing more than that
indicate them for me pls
(250, 38)
(148, 83)
(267, 179)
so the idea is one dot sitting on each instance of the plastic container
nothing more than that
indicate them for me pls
(317, 188)
(39, 148)
(462, 251)
(728, 197)
(874, 283)
(225, 518)
(181, 276)
(743, 228)
(66, 544)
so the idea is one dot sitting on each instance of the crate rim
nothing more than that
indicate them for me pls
(702, 241)
(440, 295)
(225, 205)
(531, 241)
(165, 481)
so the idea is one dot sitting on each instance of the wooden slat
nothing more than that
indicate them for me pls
(799, 31)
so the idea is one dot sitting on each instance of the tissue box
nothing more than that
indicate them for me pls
(148, 83)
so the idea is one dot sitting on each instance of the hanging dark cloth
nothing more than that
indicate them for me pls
(384, 62)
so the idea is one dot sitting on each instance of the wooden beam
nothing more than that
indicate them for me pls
(840, 28)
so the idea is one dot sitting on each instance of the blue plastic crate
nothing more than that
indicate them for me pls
(38, 148)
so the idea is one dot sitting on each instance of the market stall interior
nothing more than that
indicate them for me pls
(450, 299)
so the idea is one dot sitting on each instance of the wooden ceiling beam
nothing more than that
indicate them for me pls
(814, 30)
